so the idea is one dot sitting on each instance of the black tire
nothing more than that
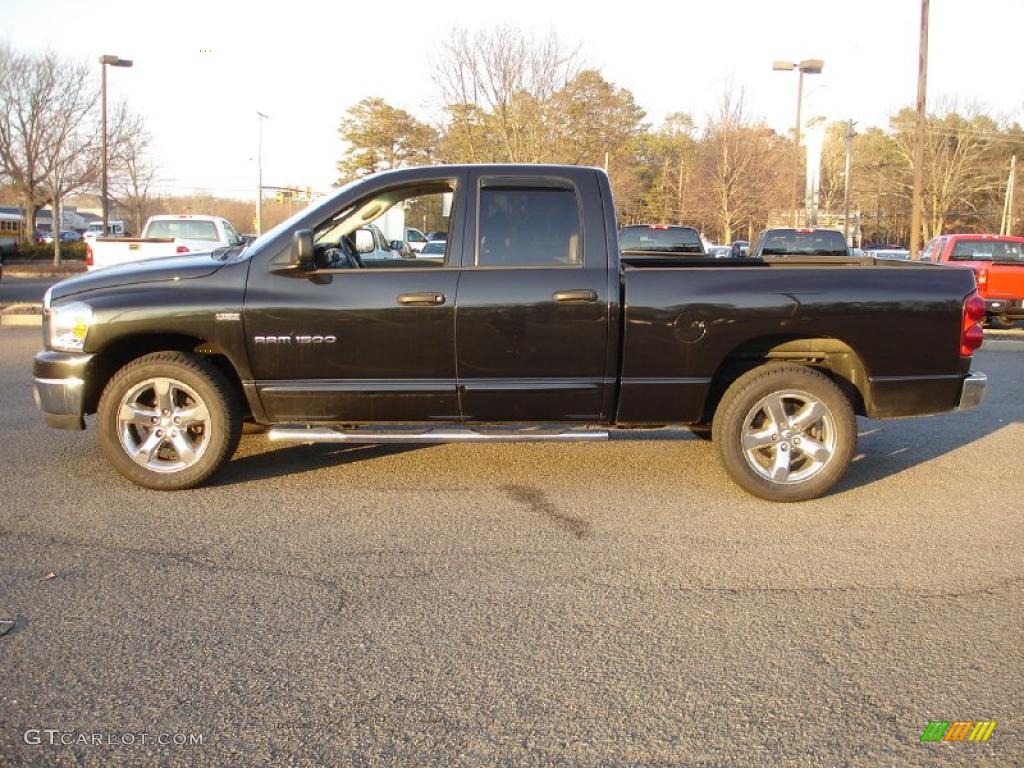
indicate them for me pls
(700, 431)
(744, 410)
(194, 387)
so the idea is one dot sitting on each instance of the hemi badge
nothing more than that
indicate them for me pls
(227, 315)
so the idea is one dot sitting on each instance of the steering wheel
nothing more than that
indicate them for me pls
(342, 255)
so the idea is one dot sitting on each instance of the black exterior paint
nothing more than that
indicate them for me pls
(499, 347)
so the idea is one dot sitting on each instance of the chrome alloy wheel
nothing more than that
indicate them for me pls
(788, 436)
(163, 425)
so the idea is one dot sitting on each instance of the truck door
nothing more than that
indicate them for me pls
(359, 341)
(532, 310)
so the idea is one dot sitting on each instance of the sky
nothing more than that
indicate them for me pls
(203, 70)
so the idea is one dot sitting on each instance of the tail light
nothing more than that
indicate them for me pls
(971, 334)
(181, 249)
(88, 255)
(982, 275)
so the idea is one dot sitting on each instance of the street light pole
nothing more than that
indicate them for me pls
(846, 183)
(805, 67)
(260, 117)
(106, 61)
(922, 76)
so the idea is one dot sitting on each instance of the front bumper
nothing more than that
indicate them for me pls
(972, 391)
(59, 385)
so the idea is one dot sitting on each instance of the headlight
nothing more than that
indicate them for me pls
(68, 326)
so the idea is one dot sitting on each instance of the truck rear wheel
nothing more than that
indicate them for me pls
(168, 421)
(785, 432)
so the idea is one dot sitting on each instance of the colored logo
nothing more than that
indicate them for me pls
(958, 730)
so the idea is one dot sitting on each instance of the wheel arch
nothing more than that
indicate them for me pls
(833, 357)
(121, 351)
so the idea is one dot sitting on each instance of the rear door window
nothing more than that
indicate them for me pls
(529, 227)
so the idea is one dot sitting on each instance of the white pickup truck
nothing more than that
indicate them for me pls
(162, 236)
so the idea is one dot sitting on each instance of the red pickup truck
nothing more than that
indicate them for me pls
(998, 263)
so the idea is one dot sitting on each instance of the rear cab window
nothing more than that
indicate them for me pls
(183, 229)
(804, 242)
(660, 239)
(987, 250)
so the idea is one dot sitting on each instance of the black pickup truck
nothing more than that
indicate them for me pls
(531, 327)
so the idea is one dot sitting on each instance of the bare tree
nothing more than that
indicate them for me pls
(496, 84)
(740, 166)
(48, 131)
(133, 171)
(29, 96)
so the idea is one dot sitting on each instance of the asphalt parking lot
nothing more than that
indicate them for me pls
(616, 603)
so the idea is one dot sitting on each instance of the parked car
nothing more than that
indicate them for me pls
(66, 236)
(559, 337)
(998, 263)
(720, 251)
(799, 241)
(661, 239)
(434, 250)
(416, 239)
(739, 248)
(165, 235)
(900, 254)
(437, 235)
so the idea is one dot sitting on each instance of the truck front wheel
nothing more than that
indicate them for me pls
(785, 432)
(168, 421)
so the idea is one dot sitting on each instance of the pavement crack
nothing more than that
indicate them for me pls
(195, 559)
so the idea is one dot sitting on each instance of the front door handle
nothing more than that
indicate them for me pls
(578, 295)
(421, 299)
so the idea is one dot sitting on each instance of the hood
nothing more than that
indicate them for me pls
(183, 267)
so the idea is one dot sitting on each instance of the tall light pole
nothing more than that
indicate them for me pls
(846, 181)
(260, 117)
(106, 61)
(922, 76)
(805, 67)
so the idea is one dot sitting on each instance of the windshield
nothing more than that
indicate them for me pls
(183, 229)
(988, 250)
(661, 239)
(797, 242)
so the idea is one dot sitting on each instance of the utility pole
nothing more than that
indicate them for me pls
(1006, 226)
(260, 117)
(922, 76)
(846, 185)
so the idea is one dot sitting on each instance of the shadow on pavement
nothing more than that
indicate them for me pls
(296, 459)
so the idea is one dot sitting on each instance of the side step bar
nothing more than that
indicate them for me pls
(328, 435)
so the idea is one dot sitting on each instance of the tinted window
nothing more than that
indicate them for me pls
(796, 242)
(987, 250)
(529, 227)
(664, 239)
(184, 229)
(436, 248)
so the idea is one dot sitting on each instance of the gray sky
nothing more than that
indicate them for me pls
(202, 70)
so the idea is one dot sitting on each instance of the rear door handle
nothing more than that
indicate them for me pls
(421, 299)
(578, 295)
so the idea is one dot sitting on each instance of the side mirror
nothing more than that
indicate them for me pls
(396, 245)
(364, 241)
(302, 248)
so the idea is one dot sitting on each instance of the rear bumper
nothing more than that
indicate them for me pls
(58, 385)
(1006, 307)
(972, 391)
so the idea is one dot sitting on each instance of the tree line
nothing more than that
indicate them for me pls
(510, 97)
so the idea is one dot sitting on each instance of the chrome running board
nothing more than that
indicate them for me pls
(496, 434)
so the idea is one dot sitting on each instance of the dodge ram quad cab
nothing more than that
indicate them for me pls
(531, 327)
